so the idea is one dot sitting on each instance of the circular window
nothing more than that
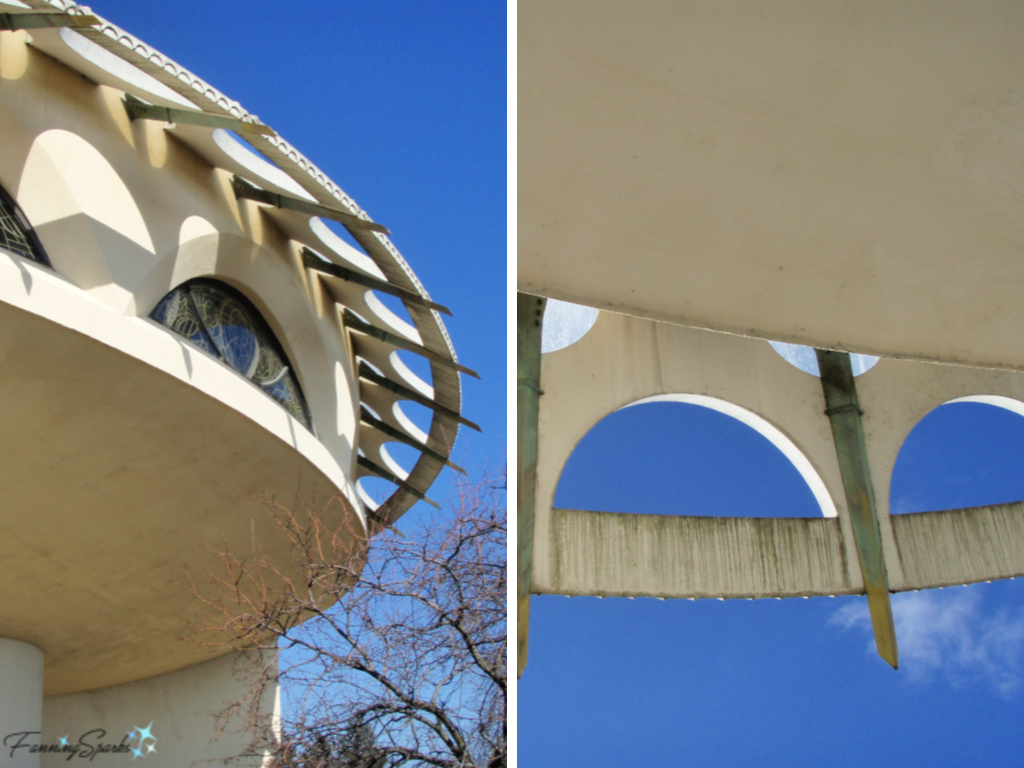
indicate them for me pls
(806, 360)
(221, 321)
(565, 324)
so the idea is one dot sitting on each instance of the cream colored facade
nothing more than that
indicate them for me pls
(625, 360)
(714, 175)
(126, 447)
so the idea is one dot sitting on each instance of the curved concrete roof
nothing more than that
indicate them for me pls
(129, 451)
(117, 473)
(839, 175)
(137, 65)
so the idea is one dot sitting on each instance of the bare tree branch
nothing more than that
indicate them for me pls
(393, 650)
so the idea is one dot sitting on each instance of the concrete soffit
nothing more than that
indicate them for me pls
(842, 178)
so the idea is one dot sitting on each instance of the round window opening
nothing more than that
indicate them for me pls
(564, 324)
(806, 360)
(221, 321)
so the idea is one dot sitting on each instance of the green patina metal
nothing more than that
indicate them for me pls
(352, 321)
(14, 21)
(141, 110)
(529, 313)
(395, 434)
(843, 410)
(247, 191)
(367, 373)
(313, 260)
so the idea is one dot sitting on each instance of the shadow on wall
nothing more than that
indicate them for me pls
(706, 462)
(962, 454)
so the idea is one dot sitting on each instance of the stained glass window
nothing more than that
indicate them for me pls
(221, 321)
(16, 233)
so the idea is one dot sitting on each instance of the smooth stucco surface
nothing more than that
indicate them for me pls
(21, 701)
(837, 175)
(182, 707)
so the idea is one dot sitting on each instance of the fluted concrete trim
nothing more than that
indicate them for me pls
(614, 554)
(960, 546)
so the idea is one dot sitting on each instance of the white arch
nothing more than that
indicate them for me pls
(764, 428)
(1006, 403)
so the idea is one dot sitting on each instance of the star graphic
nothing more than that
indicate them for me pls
(63, 741)
(150, 749)
(136, 753)
(131, 734)
(144, 733)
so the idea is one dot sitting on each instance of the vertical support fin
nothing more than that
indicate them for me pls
(844, 412)
(530, 313)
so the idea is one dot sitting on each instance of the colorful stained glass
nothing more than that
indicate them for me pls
(16, 233)
(175, 311)
(218, 319)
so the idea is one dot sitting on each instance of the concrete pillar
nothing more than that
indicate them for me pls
(21, 702)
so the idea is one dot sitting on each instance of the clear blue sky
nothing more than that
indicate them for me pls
(618, 682)
(403, 105)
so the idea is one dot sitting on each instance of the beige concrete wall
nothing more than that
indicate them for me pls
(835, 175)
(21, 702)
(181, 706)
(624, 359)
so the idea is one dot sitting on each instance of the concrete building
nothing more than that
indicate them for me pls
(181, 332)
(715, 175)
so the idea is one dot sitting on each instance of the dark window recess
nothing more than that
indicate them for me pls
(221, 321)
(16, 234)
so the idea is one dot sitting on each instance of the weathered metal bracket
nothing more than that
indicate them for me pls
(366, 372)
(392, 478)
(313, 260)
(140, 110)
(15, 21)
(401, 437)
(844, 412)
(529, 317)
(352, 321)
(244, 189)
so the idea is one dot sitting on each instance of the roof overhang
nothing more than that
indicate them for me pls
(843, 176)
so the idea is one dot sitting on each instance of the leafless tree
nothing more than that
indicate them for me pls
(393, 648)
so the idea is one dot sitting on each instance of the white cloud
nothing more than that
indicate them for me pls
(946, 632)
(905, 503)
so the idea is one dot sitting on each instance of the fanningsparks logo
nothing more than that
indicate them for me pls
(144, 735)
(138, 742)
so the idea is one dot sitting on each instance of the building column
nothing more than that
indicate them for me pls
(530, 317)
(21, 703)
(843, 409)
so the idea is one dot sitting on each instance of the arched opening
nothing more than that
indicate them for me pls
(222, 322)
(966, 453)
(374, 491)
(709, 457)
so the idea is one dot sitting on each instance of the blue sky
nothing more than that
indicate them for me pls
(794, 682)
(402, 104)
